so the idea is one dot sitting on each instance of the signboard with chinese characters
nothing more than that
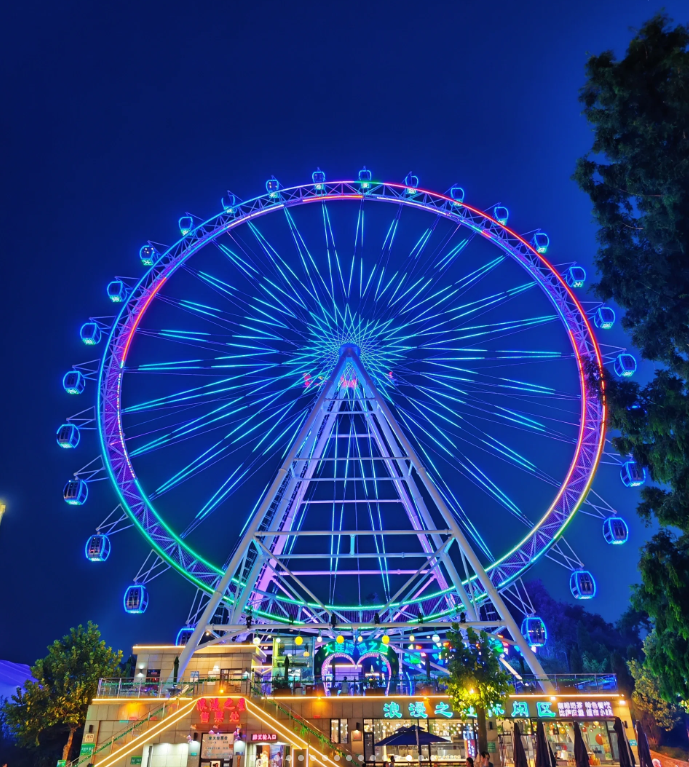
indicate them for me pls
(263, 737)
(87, 749)
(216, 746)
(585, 709)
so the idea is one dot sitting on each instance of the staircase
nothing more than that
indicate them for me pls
(106, 753)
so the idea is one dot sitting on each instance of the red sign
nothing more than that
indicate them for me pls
(263, 737)
(219, 708)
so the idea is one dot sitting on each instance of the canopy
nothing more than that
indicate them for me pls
(645, 758)
(581, 755)
(411, 736)
(626, 755)
(520, 759)
(542, 750)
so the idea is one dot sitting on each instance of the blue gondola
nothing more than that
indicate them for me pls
(148, 255)
(228, 203)
(615, 530)
(582, 584)
(318, 178)
(365, 177)
(604, 317)
(90, 333)
(136, 599)
(534, 631)
(273, 186)
(68, 435)
(75, 492)
(97, 548)
(186, 224)
(74, 382)
(117, 291)
(625, 365)
(632, 475)
(184, 635)
(411, 182)
(541, 241)
(501, 214)
(457, 194)
(575, 276)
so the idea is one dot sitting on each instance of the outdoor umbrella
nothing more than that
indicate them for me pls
(519, 753)
(626, 755)
(412, 736)
(581, 756)
(542, 750)
(645, 758)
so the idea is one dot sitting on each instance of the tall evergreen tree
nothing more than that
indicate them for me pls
(638, 180)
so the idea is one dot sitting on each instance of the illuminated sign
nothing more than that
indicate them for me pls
(257, 737)
(216, 746)
(220, 709)
(589, 709)
(544, 710)
(520, 708)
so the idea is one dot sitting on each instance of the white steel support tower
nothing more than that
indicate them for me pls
(318, 541)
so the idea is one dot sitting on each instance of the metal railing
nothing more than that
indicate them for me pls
(572, 683)
(147, 688)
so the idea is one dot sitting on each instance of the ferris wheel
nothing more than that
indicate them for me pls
(412, 366)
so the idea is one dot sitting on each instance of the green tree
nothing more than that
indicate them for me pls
(66, 680)
(637, 177)
(476, 678)
(654, 711)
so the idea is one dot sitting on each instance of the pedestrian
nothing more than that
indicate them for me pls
(485, 760)
(345, 686)
(469, 762)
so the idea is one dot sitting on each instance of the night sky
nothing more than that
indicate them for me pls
(116, 121)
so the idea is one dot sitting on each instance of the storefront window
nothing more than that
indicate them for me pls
(338, 731)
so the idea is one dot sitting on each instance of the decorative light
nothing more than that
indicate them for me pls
(411, 637)
(256, 641)
(340, 639)
(278, 640)
(359, 638)
(306, 653)
(298, 641)
(385, 639)
(436, 638)
(319, 638)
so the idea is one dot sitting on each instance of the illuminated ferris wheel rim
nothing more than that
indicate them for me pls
(591, 436)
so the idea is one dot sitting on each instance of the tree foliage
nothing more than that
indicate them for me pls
(637, 177)
(647, 697)
(66, 680)
(638, 181)
(476, 677)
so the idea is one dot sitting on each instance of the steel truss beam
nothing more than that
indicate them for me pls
(270, 532)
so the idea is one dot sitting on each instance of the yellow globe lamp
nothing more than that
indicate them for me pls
(385, 639)
(340, 639)
(298, 641)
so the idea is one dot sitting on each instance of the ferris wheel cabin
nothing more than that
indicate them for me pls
(74, 382)
(534, 631)
(625, 365)
(632, 475)
(582, 584)
(148, 255)
(135, 599)
(457, 194)
(501, 214)
(615, 531)
(604, 318)
(97, 548)
(575, 276)
(117, 291)
(68, 435)
(75, 492)
(541, 241)
(90, 333)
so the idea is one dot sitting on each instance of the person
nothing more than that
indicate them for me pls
(345, 687)
(470, 762)
(485, 760)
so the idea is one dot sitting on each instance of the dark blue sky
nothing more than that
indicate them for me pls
(117, 120)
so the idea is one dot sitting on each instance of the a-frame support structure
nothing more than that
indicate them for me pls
(429, 571)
